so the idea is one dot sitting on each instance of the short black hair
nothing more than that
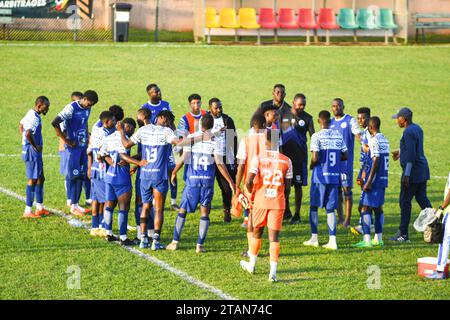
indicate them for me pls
(376, 122)
(194, 96)
(146, 112)
(279, 85)
(166, 114)
(268, 107)
(130, 122)
(340, 102)
(300, 96)
(91, 96)
(77, 94)
(43, 100)
(364, 110)
(207, 121)
(213, 100)
(106, 115)
(259, 120)
(117, 111)
(325, 115)
(150, 86)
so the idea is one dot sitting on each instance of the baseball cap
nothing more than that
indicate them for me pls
(403, 112)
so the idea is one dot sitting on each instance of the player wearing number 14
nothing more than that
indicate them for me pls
(328, 149)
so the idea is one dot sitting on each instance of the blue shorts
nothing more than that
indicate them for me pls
(63, 162)
(324, 196)
(114, 191)
(98, 188)
(346, 179)
(373, 198)
(147, 187)
(171, 165)
(76, 163)
(34, 169)
(192, 196)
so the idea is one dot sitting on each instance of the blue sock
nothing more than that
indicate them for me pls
(87, 188)
(30, 195)
(313, 219)
(137, 213)
(40, 193)
(101, 222)
(365, 222)
(203, 230)
(179, 225)
(68, 186)
(108, 218)
(151, 219)
(245, 213)
(95, 221)
(379, 221)
(123, 222)
(331, 221)
(173, 190)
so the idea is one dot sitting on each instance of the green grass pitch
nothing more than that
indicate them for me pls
(35, 255)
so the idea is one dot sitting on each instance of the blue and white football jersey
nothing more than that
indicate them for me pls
(329, 143)
(155, 141)
(156, 109)
(112, 146)
(199, 161)
(76, 123)
(348, 128)
(98, 169)
(32, 121)
(365, 136)
(379, 147)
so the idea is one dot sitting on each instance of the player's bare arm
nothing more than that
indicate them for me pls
(314, 159)
(90, 160)
(177, 168)
(55, 123)
(127, 143)
(126, 158)
(344, 156)
(29, 136)
(239, 176)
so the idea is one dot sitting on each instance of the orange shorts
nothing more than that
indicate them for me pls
(272, 218)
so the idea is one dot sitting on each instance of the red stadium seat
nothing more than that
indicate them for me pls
(286, 18)
(327, 19)
(267, 19)
(306, 19)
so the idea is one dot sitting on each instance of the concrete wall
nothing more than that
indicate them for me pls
(178, 15)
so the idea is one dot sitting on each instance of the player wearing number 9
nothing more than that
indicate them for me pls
(200, 159)
(328, 150)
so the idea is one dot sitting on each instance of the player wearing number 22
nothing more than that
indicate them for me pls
(273, 171)
(328, 150)
(374, 185)
(199, 159)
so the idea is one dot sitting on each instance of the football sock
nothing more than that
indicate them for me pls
(365, 224)
(273, 267)
(156, 236)
(30, 195)
(203, 230)
(179, 225)
(379, 221)
(39, 196)
(173, 193)
(151, 219)
(274, 249)
(95, 222)
(68, 186)
(123, 223)
(331, 221)
(108, 219)
(313, 219)
(245, 213)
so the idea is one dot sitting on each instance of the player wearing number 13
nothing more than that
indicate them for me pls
(328, 150)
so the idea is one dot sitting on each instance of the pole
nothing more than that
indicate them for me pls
(156, 36)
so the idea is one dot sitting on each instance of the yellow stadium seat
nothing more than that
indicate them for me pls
(247, 18)
(211, 18)
(228, 18)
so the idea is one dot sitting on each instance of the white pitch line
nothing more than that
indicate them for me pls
(145, 256)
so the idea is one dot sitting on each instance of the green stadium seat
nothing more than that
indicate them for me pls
(366, 19)
(346, 19)
(387, 19)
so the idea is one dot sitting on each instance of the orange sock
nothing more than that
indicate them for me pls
(274, 250)
(255, 246)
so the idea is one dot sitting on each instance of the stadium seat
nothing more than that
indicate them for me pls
(211, 21)
(366, 19)
(228, 19)
(307, 20)
(267, 18)
(346, 19)
(286, 19)
(327, 21)
(387, 19)
(247, 20)
(211, 18)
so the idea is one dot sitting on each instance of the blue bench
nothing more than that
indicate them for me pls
(420, 24)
